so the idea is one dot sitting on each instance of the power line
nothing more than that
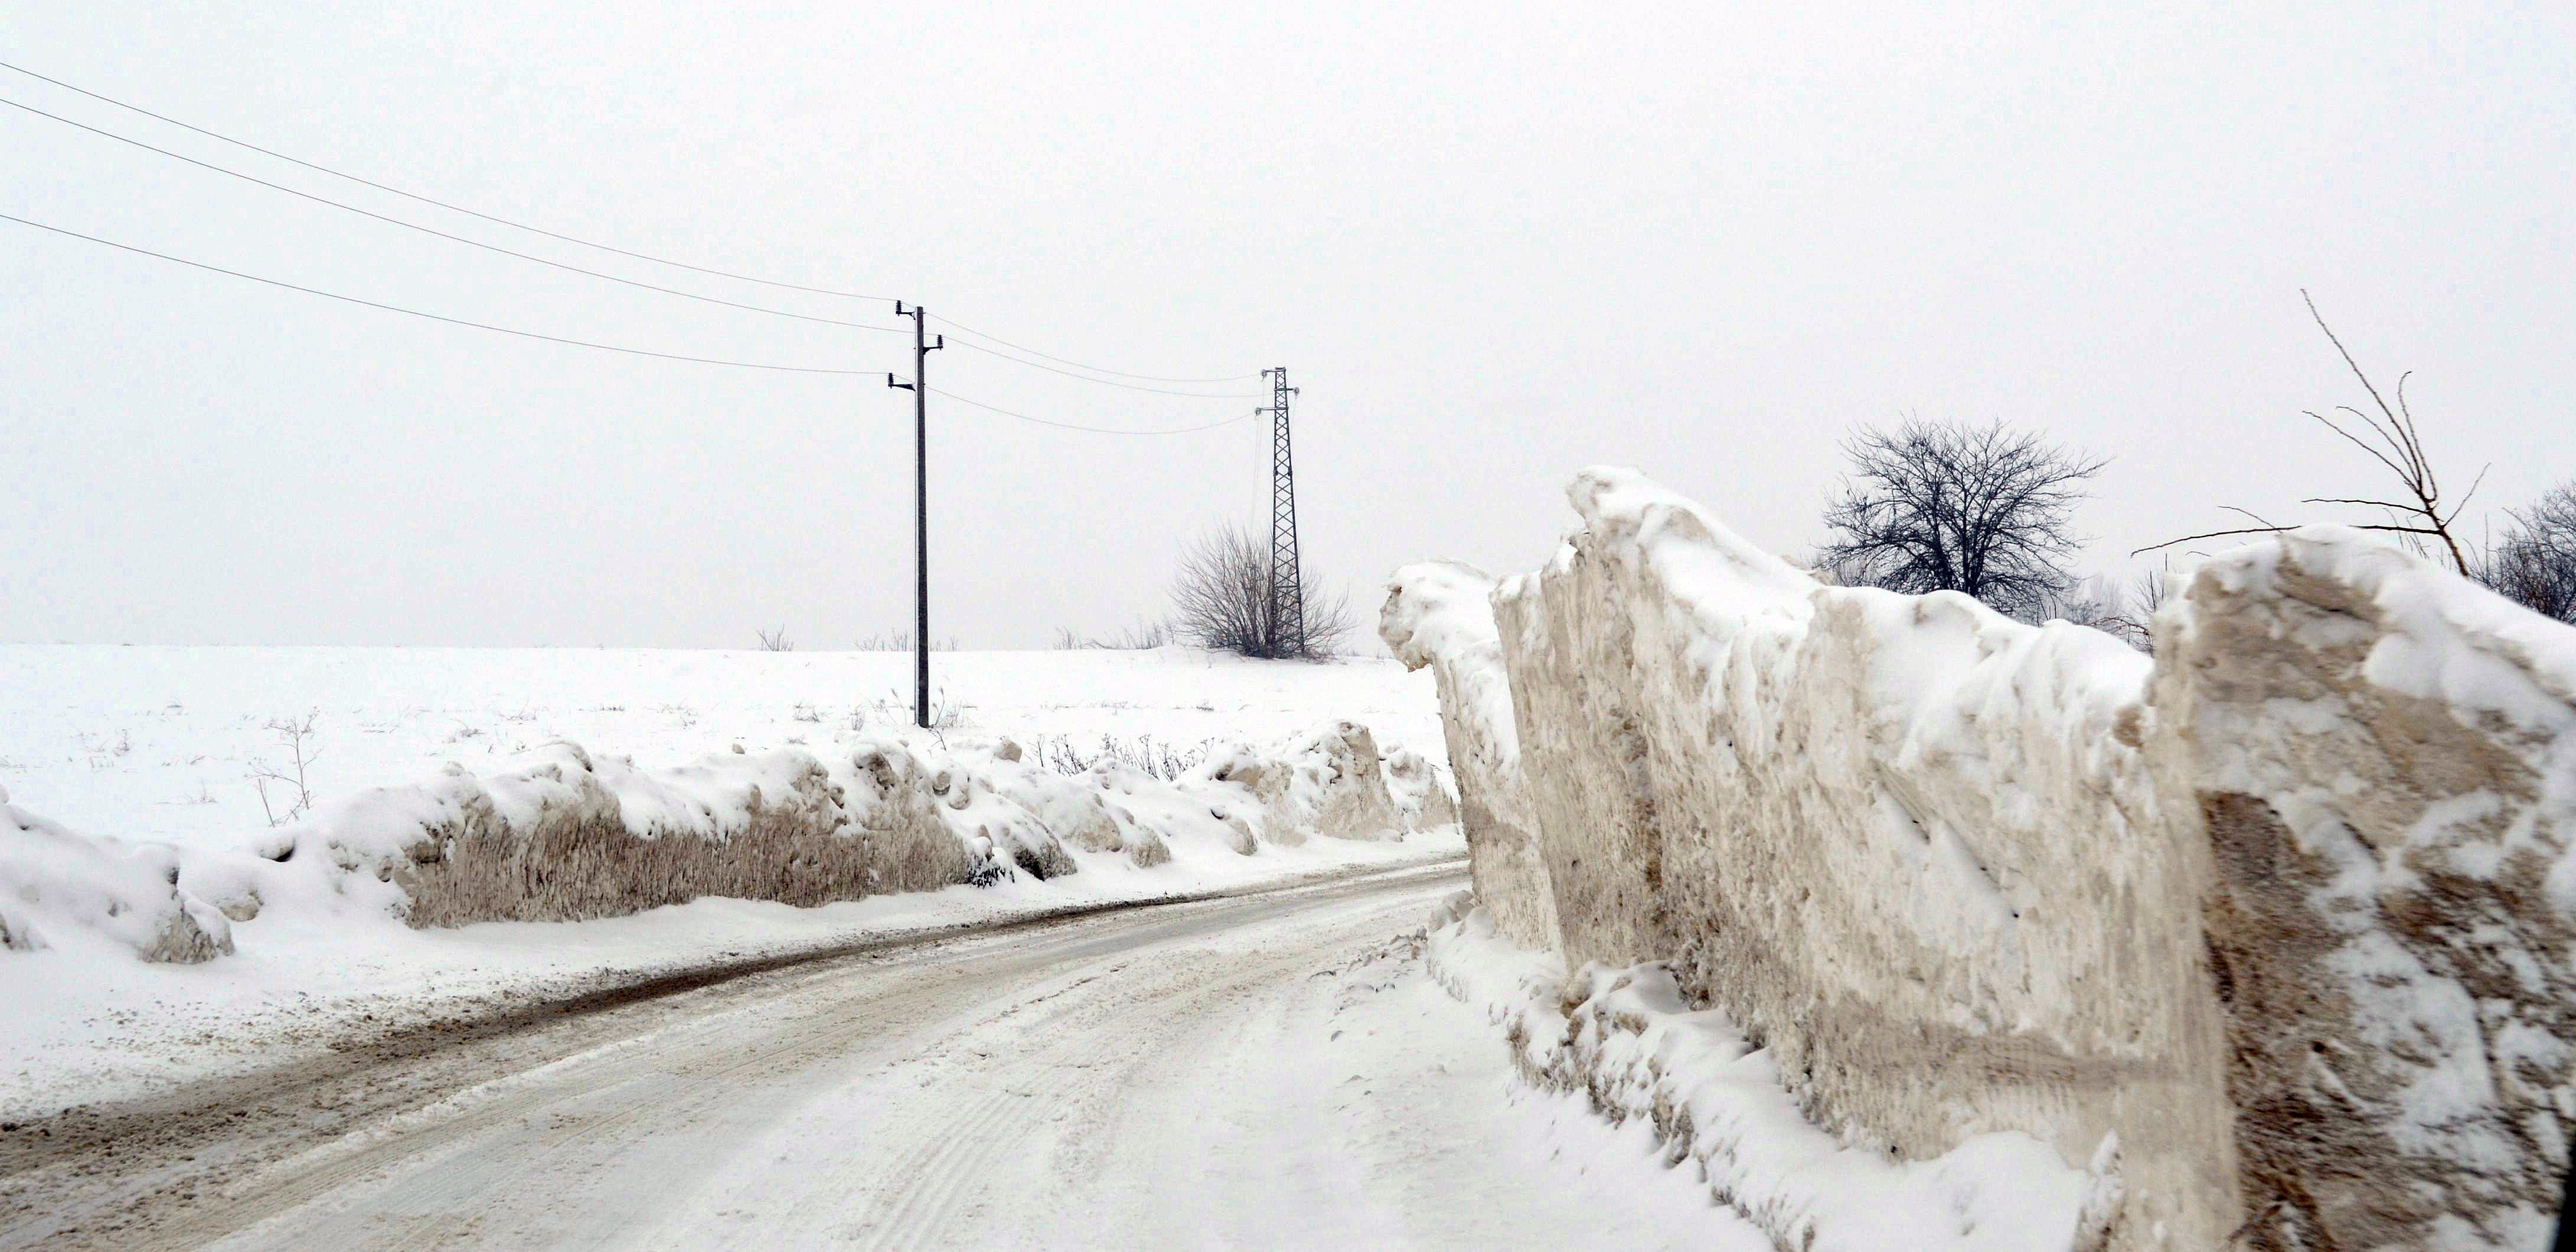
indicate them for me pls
(1107, 382)
(435, 317)
(1096, 430)
(607, 347)
(453, 208)
(575, 239)
(1151, 378)
(671, 291)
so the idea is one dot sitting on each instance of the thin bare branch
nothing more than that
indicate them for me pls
(2213, 534)
(2393, 467)
(2474, 484)
(2413, 439)
(2396, 427)
(2347, 355)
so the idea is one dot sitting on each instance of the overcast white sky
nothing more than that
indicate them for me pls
(1492, 243)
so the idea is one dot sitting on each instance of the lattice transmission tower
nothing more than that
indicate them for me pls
(1287, 592)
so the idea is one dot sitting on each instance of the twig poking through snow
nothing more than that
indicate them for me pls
(291, 735)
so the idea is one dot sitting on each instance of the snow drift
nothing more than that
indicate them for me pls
(57, 887)
(2272, 931)
(565, 834)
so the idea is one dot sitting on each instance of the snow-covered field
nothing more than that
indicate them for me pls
(159, 744)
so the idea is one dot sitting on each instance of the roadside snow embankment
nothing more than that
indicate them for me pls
(59, 888)
(563, 834)
(2273, 931)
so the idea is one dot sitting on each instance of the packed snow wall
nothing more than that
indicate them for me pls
(2281, 917)
(2380, 761)
(1438, 615)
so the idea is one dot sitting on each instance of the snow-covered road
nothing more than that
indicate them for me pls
(1271, 1070)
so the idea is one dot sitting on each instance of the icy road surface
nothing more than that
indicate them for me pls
(1265, 1070)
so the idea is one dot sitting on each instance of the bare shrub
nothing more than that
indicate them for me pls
(1161, 760)
(1222, 597)
(900, 641)
(295, 735)
(776, 640)
(1223, 593)
(1951, 506)
(1136, 638)
(2147, 592)
(2535, 563)
(2132, 609)
(2124, 611)
(895, 709)
(1328, 624)
(581, 860)
(2093, 601)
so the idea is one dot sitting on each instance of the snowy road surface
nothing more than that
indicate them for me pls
(1266, 1070)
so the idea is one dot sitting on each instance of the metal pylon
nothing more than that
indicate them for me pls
(1287, 592)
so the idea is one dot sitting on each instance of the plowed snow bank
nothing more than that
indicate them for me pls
(563, 834)
(58, 887)
(2280, 924)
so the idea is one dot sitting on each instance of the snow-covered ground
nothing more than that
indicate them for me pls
(1689, 1081)
(152, 743)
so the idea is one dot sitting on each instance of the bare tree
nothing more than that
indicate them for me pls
(1222, 599)
(2535, 564)
(776, 640)
(2395, 443)
(1950, 506)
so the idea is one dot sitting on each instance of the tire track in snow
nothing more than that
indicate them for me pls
(1058, 1099)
